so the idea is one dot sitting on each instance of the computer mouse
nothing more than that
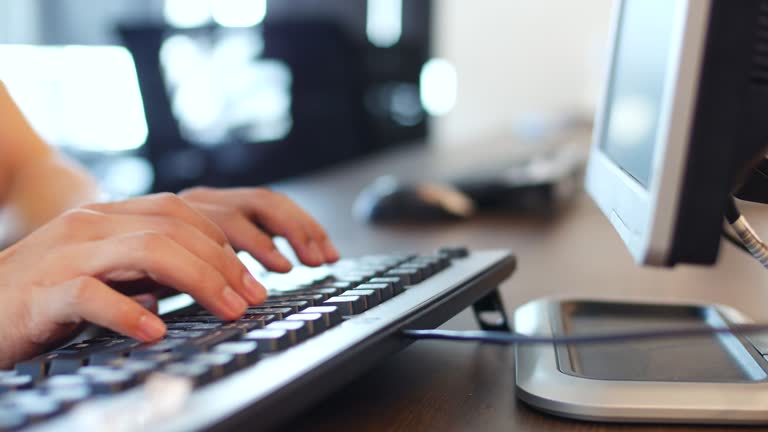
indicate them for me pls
(387, 200)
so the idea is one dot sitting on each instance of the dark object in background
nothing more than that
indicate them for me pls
(387, 201)
(348, 98)
(542, 184)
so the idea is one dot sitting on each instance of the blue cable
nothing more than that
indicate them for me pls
(508, 338)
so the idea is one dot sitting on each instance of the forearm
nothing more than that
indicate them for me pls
(36, 184)
(42, 189)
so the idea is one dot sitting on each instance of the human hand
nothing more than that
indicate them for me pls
(57, 277)
(251, 216)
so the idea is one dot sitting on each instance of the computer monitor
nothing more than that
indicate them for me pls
(681, 124)
(682, 120)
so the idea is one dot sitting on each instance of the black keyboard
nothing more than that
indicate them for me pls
(319, 328)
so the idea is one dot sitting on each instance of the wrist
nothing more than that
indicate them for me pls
(45, 189)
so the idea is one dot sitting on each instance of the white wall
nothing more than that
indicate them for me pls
(518, 56)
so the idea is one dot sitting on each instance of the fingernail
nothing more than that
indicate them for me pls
(315, 253)
(147, 301)
(255, 289)
(331, 253)
(151, 327)
(233, 302)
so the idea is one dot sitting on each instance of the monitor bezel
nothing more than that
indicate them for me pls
(645, 218)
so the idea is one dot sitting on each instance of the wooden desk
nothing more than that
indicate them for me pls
(442, 386)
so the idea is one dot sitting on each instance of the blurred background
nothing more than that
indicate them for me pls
(159, 95)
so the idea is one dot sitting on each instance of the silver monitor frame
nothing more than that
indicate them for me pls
(645, 218)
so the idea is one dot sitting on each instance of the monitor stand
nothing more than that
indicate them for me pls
(709, 379)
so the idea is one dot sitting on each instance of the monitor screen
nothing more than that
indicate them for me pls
(640, 66)
(639, 167)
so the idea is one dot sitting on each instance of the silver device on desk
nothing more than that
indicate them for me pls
(681, 125)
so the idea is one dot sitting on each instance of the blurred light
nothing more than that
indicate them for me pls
(237, 49)
(180, 55)
(632, 122)
(439, 86)
(221, 90)
(125, 176)
(384, 22)
(199, 103)
(83, 97)
(239, 13)
(404, 105)
(187, 13)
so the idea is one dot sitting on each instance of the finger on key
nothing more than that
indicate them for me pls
(245, 235)
(223, 259)
(165, 261)
(88, 299)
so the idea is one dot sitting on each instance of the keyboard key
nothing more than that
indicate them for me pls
(113, 381)
(87, 371)
(294, 305)
(259, 318)
(66, 365)
(184, 334)
(298, 331)
(245, 326)
(269, 340)
(11, 383)
(348, 305)
(191, 325)
(94, 351)
(140, 368)
(36, 368)
(67, 389)
(383, 291)
(68, 359)
(422, 272)
(198, 373)
(428, 268)
(396, 283)
(32, 404)
(245, 352)
(205, 343)
(349, 281)
(370, 297)
(279, 313)
(11, 419)
(327, 293)
(331, 314)
(221, 364)
(441, 261)
(160, 358)
(312, 299)
(65, 381)
(315, 321)
(202, 318)
(151, 349)
(408, 276)
(68, 396)
(454, 252)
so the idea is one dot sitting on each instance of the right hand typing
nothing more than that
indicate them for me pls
(58, 277)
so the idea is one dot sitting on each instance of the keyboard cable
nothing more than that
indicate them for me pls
(513, 338)
(747, 240)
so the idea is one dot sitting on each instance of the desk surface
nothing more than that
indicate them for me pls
(455, 387)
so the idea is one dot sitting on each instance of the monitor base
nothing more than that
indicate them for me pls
(713, 379)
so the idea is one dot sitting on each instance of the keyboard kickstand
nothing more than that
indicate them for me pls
(490, 314)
